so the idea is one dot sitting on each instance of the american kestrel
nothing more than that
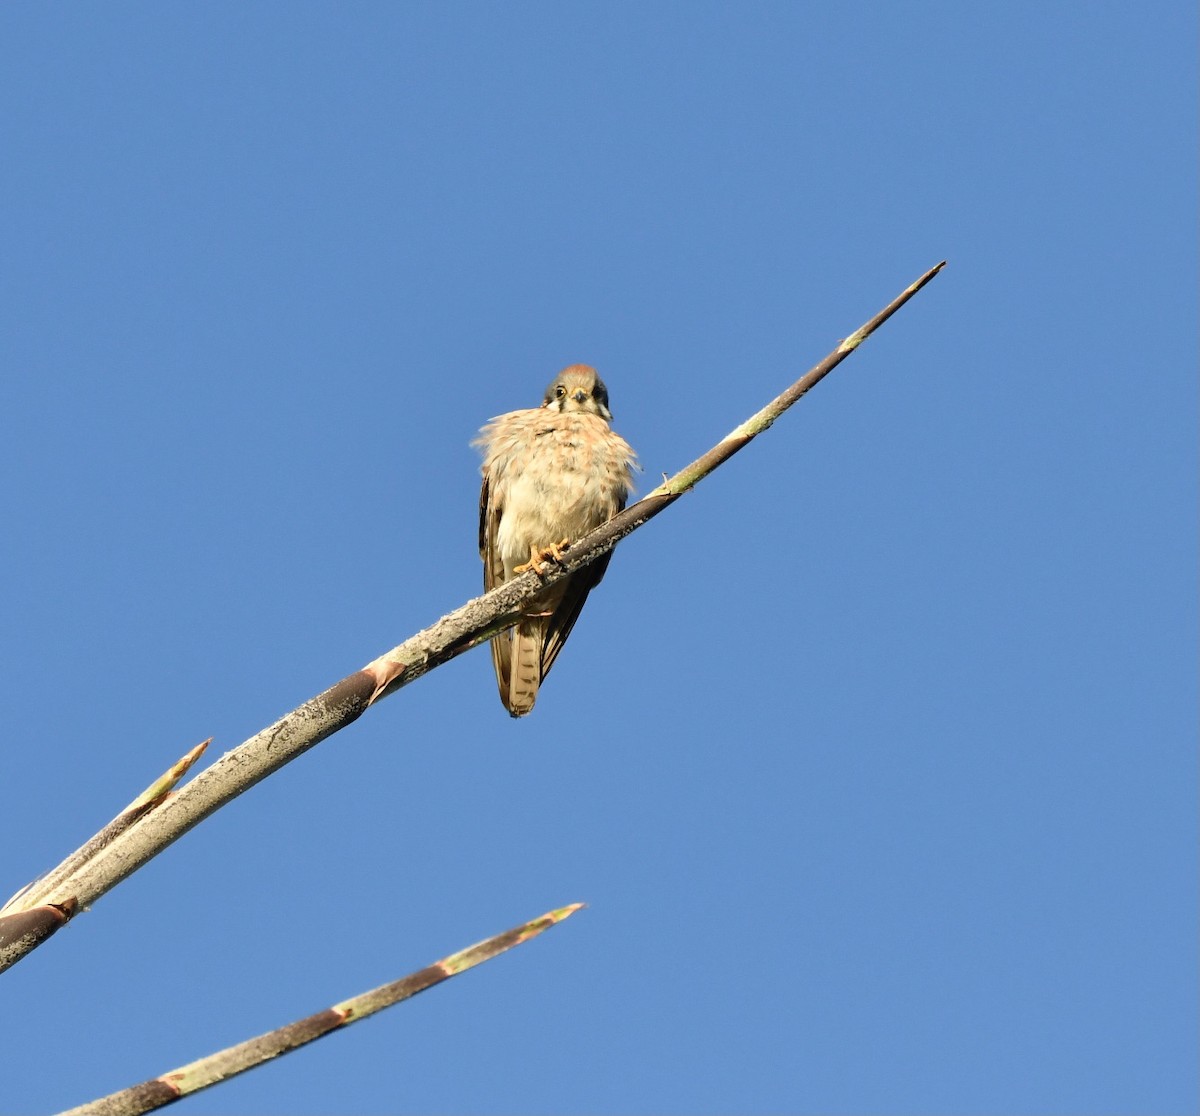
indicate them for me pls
(550, 475)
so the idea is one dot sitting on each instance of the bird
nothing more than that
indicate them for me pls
(550, 475)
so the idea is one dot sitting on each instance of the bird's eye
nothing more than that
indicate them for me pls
(560, 391)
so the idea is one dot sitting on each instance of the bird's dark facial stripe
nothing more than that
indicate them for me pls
(578, 388)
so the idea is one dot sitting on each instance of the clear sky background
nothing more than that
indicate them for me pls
(874, 757)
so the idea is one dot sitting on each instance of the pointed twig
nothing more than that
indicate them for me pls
(227, 1063)
(466, 627)
(24, 915)
(152, 796)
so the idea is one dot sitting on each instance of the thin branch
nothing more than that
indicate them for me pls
(154, 795)
(31, 921)
(218, 1067)
(466, 627)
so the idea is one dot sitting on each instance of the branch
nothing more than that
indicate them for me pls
(31, 920)
(468, 626)
(152, 796)
(218, 1067)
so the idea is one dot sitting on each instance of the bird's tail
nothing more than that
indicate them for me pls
(525, 666)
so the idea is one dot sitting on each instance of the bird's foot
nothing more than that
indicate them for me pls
(539, 556)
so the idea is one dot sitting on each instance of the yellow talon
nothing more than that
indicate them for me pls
(538, 556)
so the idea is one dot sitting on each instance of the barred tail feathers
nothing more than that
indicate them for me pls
(525, 666)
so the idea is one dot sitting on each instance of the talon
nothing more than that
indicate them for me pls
(532, 564)
(539, 556)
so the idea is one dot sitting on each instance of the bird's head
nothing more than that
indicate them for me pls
(578, 388)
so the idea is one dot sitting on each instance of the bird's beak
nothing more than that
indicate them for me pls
(580, 396)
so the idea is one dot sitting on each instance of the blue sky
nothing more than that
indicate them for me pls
(874, 757)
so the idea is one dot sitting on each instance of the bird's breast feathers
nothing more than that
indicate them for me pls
(552, 476)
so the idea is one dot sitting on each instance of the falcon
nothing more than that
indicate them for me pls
(550, 475)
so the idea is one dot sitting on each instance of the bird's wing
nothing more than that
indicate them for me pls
(578, 586)
(493, 575)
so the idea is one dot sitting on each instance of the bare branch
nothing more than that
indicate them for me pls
(218, 1067)
(343, 703)
(31, 921)
(154, 795)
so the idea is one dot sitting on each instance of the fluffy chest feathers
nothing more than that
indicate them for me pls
(551, 477)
